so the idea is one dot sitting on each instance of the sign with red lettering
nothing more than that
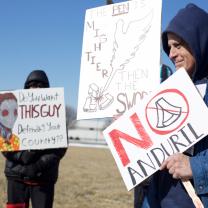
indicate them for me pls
(32, 119)
(116, 44)
(166, 122)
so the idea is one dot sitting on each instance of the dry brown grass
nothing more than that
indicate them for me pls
(89, 178)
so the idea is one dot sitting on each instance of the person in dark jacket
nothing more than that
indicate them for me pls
(140, 191)
(185, 41)
(32, 174)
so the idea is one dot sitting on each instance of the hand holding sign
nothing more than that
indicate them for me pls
(163, 124)
(178, 166)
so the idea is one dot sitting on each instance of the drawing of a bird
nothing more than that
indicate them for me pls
(127, 41)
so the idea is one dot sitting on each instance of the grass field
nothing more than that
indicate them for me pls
(88, 178)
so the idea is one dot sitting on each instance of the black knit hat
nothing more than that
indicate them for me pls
(37, 76)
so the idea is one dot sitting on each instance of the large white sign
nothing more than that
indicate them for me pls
(166, 122)
(32, 119)
(120, 57)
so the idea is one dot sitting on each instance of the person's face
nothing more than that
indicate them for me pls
(34, 85)
(8, 113)
(180, 54)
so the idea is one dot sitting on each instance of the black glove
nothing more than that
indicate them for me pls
(29, 156)
(30, 171)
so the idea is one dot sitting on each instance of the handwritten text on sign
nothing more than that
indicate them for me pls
(33, 119)
(166, 122)
(116, 44)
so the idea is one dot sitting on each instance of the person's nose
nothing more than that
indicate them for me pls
(172, 53)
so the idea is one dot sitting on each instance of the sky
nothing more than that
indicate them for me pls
(47, 35)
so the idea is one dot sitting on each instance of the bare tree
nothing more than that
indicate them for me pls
(70, 115)
(109, 1)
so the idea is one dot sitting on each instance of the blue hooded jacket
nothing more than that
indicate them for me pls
(191, 25)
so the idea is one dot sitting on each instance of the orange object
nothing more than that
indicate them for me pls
(11, 145)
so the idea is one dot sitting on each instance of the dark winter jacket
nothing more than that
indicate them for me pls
(38, 166)
(191, 25)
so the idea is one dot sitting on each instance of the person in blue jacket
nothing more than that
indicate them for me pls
(185, 41)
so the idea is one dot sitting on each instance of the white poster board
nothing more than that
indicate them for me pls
(120, 61)
(167, 121)
(32, 119)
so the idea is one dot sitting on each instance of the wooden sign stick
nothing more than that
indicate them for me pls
(191, 192)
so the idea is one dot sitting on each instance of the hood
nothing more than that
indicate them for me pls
(37, 76)
(191, 24)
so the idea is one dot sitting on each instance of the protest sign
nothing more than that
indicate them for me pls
(32, 119)
(167, 121)
(120, 61)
